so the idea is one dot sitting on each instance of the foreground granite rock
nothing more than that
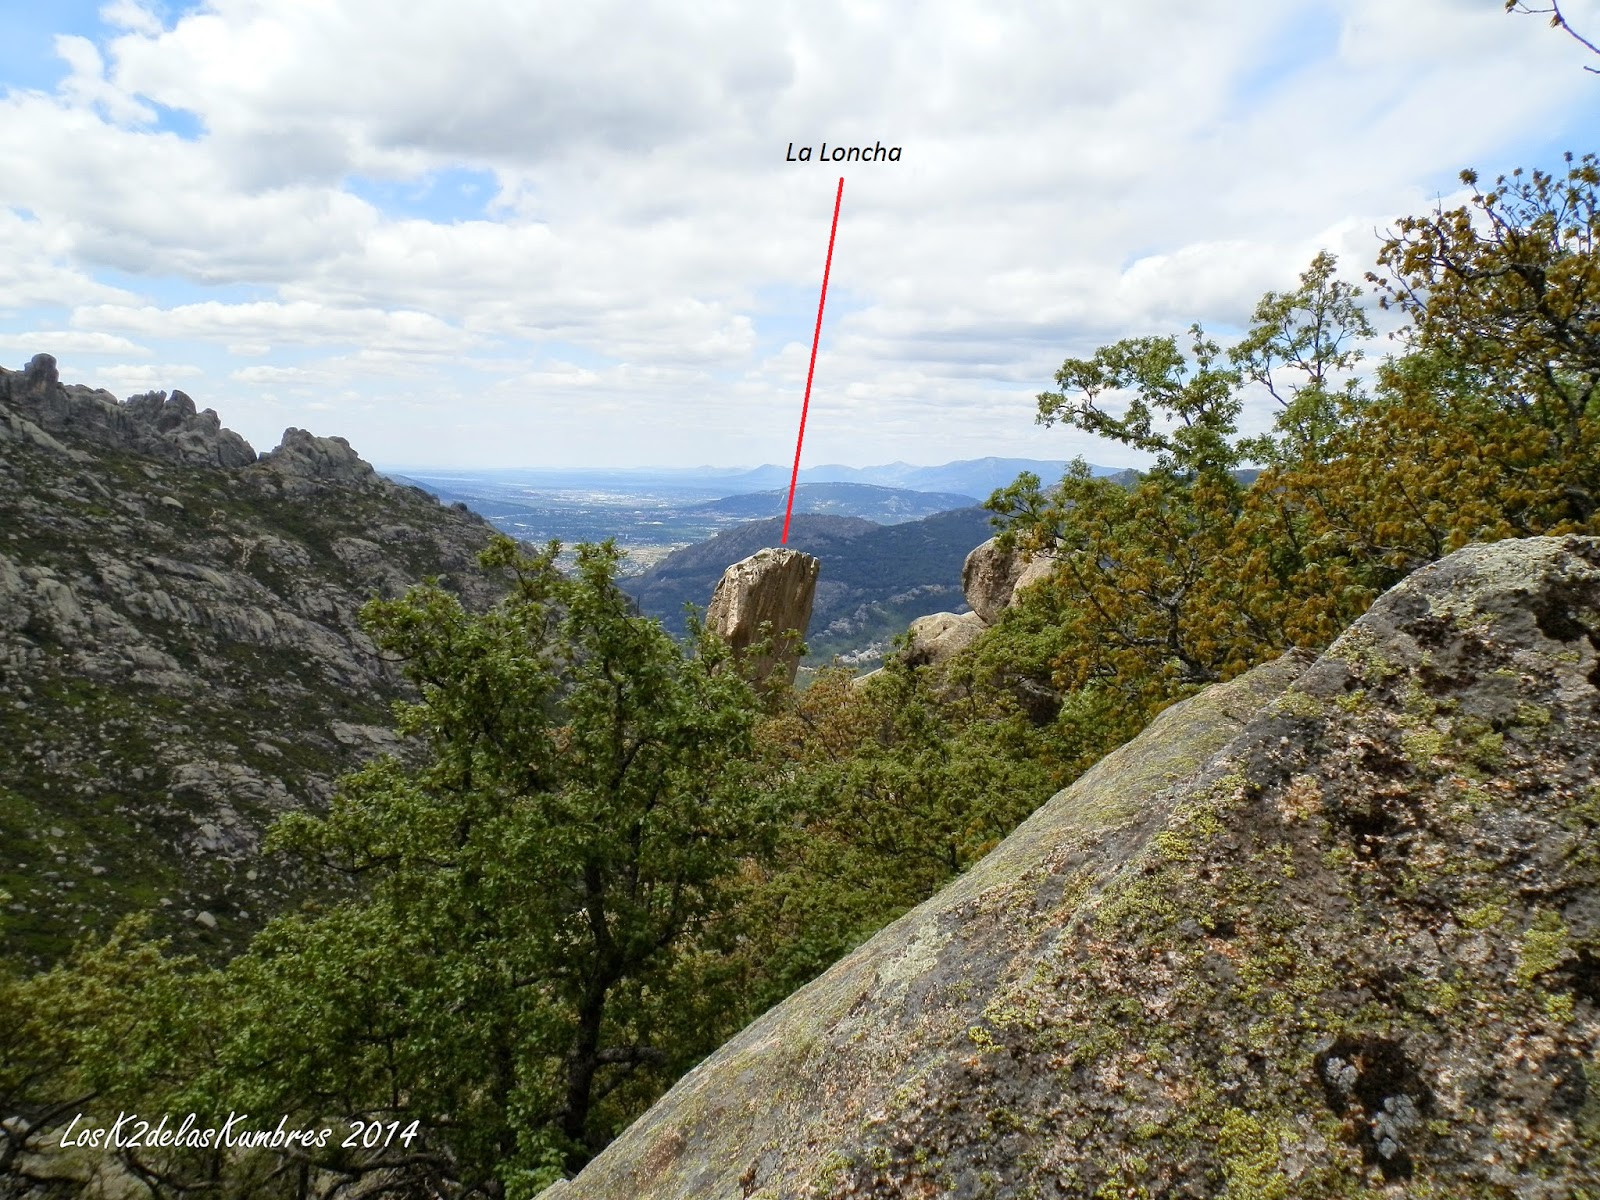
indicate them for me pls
(1330, 929)
(180, 654)
(768, 594)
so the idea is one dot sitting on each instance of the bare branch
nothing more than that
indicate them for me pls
(1557, 21)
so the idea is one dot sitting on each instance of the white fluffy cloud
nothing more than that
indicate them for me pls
(69, 341)
(638, 281)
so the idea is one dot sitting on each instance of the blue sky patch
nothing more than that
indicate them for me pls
(1301, 39)
(455, 194)
(28, 35)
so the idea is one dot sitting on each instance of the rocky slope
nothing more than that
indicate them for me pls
(1331, 929)
(180, 658)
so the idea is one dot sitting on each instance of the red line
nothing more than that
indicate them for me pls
(794, 476)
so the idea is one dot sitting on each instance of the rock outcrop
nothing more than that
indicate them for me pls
(153, 424)
(304, 463)
(992, 580)
(875, 579)
(765, 596)
(1331, 929)
(988, 578)
(939, 637)
(1035, 570)
(180, 654)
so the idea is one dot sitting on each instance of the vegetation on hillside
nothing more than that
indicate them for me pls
(615, 851)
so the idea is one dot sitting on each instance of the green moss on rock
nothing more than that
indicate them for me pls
(1285, 943)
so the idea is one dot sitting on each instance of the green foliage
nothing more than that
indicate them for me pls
(1488, 426)
(1199, 400)
(1311, 335)
(892, 790)
(543, 879)
(534, 953)
(115, 1023)
(1504, 299)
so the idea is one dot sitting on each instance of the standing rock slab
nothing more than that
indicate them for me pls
(767, 594)
(1325, 930)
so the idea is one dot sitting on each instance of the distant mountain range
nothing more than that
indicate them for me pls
(975, 477)
(875, 578)
(650, 512)
(885, 505)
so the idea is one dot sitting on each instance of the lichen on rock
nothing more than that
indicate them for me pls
(1329, 929)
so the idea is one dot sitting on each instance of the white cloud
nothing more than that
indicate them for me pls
(130, 15)
(301, 323)
(34, 269)
(128, 378)
(59, 342)
(87, 84)
(642, 284)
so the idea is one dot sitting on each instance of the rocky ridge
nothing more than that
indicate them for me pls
(180, 656)
(1329, 929)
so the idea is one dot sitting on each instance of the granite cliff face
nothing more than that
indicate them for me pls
(180, 658)
(1331, 929)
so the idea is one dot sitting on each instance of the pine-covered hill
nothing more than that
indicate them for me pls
(180, 656)
(875, 578)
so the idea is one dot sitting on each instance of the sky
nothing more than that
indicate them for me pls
(502, 233)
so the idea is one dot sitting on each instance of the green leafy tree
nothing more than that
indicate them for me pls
(892, 789)
(1486, 426)
(115, 1023)
(1175, 580)
(1298, 347)
(554, 874)
(1503, 296)
(1196, 398)
(540, 941)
